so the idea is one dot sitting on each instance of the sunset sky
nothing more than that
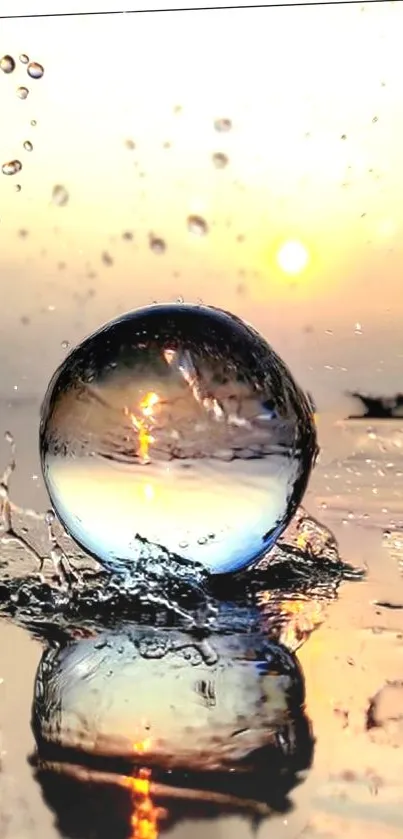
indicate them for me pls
(314, 99)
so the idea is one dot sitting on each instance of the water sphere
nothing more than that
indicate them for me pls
(176, 429)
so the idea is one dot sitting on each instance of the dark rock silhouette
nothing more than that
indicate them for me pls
(378, 407)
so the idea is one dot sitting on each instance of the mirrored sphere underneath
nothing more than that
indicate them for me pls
(176, 429)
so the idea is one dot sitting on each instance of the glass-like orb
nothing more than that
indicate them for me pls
(176, 428)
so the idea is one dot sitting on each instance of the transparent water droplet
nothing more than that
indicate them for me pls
(12, 167)
(180, 299)
(223, 125)
(35, 70)
(106, 258)
(28, 145)
(22, 92)
(7, 64)
(60, 196)
(65, 344)
(33, 122)
(17, 187)
(157, 245)
(125, 488)
(49, 517)
(197, 225)
(220, 160)
(24, 58)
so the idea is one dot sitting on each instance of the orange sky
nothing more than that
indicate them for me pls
(293, 82)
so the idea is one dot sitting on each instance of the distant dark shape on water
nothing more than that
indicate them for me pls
(379, 407)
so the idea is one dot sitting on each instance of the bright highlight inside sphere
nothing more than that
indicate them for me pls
(176, 428)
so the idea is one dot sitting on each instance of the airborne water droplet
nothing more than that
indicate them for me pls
(33, 122)
(223, 125)
(220, 160)
(24, 58)
(60, 196)
(22, 92)
(35, 70)
(197, 225)
(12, 167)
(7, 64)
(157, 245)
(17, 187)
(28, 145)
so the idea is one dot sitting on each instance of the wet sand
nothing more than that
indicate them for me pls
(355, 787)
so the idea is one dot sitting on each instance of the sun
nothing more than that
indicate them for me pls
(292, 257)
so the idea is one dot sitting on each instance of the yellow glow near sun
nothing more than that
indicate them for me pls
(292, 257)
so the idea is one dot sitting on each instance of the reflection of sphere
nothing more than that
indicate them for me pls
(176, 426)
(163, 699)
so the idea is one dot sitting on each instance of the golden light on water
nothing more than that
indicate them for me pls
(293, 257)
(146, 815)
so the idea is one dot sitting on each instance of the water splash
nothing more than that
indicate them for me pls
(48, 584)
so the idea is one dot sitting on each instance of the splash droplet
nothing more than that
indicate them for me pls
(7, 64)
(17, 187)
(28, 145)
(22, 92)
(24, 58)
(169, 423)
(12, 167)
(60, 196)
(157, 245)
(106, 258)
(65, 345)
(33, 122)
(223, 125)
(197, 225)
(35, 70)
(220, 160)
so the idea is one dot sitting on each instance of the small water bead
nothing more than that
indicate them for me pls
(157, 245)
(133, 430)
(220, 160)
(22, 92)
(60, 196)
(28, 145)
(197, 225)
(223, 125)
(12, 167)
(17, 187)
(35, 70)
(7, 64)
(33, 123)
(24, 58)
